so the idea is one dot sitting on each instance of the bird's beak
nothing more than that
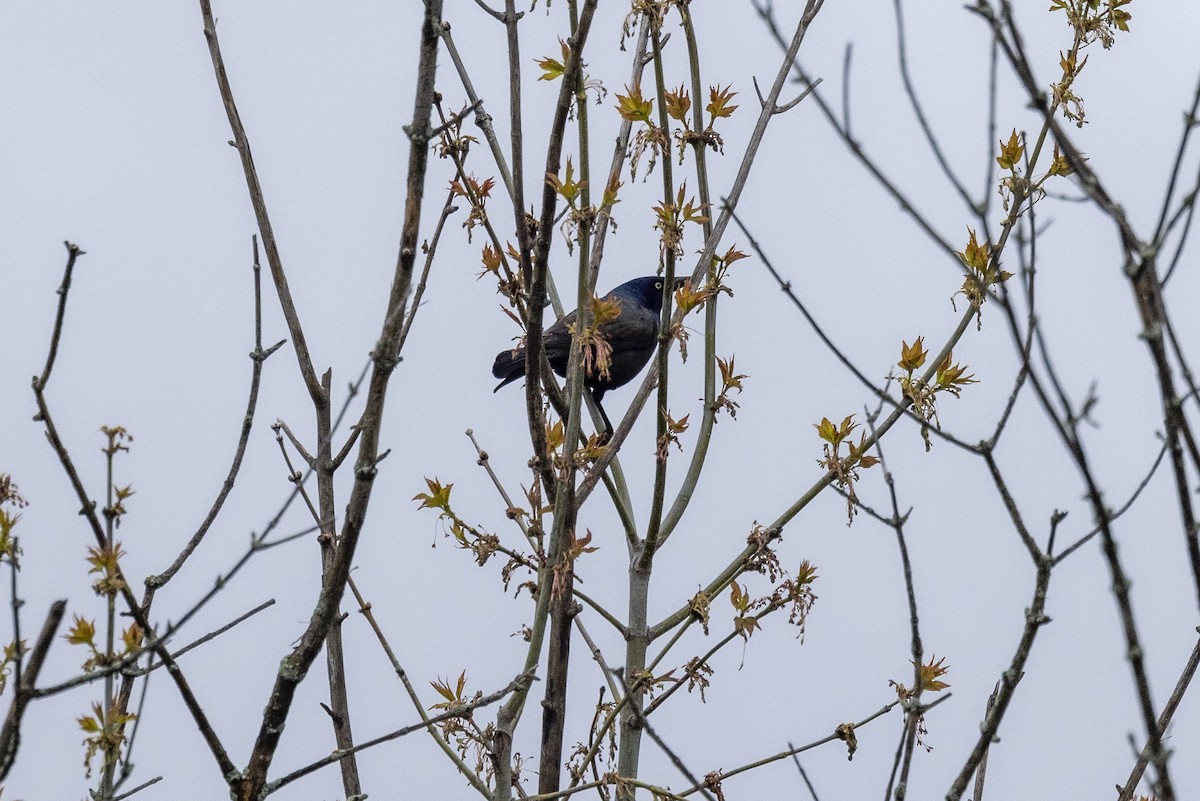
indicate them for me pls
(679, 282)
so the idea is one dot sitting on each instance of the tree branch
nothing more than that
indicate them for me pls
(10, 734)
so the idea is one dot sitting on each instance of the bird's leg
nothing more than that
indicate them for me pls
(608, 426)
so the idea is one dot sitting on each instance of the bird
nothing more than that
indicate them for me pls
(632, 335)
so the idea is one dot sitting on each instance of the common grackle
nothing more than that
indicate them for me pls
(632, 335)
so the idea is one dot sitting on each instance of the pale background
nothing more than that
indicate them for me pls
(113, 136)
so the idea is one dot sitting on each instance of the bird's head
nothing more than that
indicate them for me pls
(646, 291)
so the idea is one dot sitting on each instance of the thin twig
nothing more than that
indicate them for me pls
(364, 608)
(1185, 678)
(812, 7)
(767, 15)
(611, 677)
(242, 144)
(257, 357)
(92, 519)
(913, 708)
(448, 208)
(482, 119)
(493, 13)
(981, 771)
(73, 252)
(138, 789)
(847, 58)
(1145, 482)
(910, 90)
(10, 734)
(211, 635)
(558, 569)
(16, 602)
(123, 665)
(1190, 123)
(484, 461)
(791, 750)
(796, 759)
(519, 682)
(1035, 618)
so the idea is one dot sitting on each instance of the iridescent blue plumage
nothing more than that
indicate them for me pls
(632, 335)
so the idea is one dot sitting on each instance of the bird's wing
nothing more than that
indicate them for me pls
(635, 328)
(557, 338)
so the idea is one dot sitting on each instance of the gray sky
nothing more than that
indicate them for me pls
(114, 137)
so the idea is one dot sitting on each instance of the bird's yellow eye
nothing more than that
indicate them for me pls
(658, 284)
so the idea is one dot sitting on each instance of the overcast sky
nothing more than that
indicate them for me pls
(113, 137)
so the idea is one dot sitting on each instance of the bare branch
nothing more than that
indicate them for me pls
(1035, 618)
(294, 666)
(242, 144)
(10, 734)
(125, 665)
(520, 682)
(137, 789)
(981, 771)
(257, 357)
(497, 15)
(1121, 510)
(1185, 678)
(364, 608)
(910, 90)
(792, 750)
(734, 195)
(73, 252)
(796, 758)
(88, 512)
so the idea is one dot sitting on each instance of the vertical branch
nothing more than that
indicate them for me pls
(15, 600)
(242, 143)
(913, 709)
(642, 561)
(667, 251)
(619, 490)
(73, 253)
(769, 109)
(561, 558)
(709, 413)
(1185, 678)
(1141, 269)
(565, 506)
(641, 565)
(109, 769)
(10, 734)
(88, 512)
(318, 391)
(335, 661)
(249, 785)
(532, 270)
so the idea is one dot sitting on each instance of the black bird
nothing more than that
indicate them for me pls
(632, 335)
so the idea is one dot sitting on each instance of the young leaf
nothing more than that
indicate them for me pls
(438, 496)
(1010, 152)
(633, 106)
(912, 356)
(718, 102)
